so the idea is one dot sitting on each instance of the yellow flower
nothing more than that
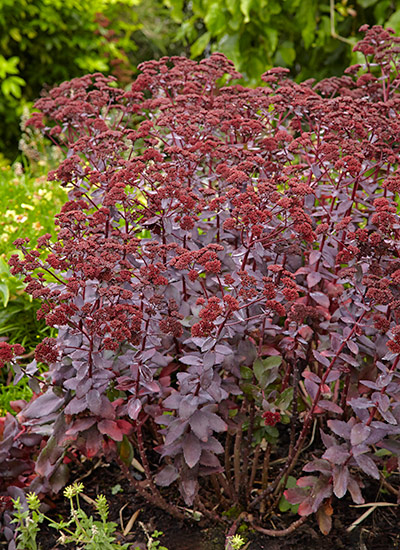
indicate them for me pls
(73, 489)
(9, 229)
(27, 206)
(37, 226)
(45, 194)
(11, 214)
(21, 218)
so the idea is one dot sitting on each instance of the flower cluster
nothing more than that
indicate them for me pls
(8, 352)
(271, 418)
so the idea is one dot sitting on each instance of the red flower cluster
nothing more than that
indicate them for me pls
(8, 352)
(271, 418)
(47, 351)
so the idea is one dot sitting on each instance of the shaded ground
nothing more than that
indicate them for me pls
(379, 531)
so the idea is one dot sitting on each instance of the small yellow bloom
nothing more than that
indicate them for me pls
(37, 226)
(21, 218)
(44, 193)
(9, 229)
(27, 206)
(11, 214)
(73, 490)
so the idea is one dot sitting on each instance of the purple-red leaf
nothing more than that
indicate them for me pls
(330, 406)
(200, 425)
(175, 430)
(110, 428)
(367, 465)
(80, 425)
(336, 454)
(311, 387)
(355, 491)
(321, 358)
(295, 495)
(321, 299)
(340, 480)
(324, 518)
(341, 428)
(191, 449)
(166, 476)
(359, 433)
(93, 400)
(134, 408)
(313, 278)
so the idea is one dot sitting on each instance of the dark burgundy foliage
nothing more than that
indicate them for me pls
(227, 263)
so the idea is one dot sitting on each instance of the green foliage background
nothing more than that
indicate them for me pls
(44, 42)
(313, 38)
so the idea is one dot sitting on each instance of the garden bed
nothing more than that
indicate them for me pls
(379, 531)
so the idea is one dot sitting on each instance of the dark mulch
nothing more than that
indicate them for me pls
(380, 531)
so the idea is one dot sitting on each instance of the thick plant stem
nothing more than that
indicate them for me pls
(144, 460)
(217, 488)
(226, 487)
(295, 414)
(264, 478)
(228, 465)
(153, 498)
(247, 449)
(280, 532)
(254, 467)
(237, 457)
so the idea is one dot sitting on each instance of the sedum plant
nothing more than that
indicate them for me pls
(226, 282)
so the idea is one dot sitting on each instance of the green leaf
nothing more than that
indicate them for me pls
(12, 86)
(366, 3)
(266, 370)
(245, 7)
(284, 505)
(272, 433)
(116, 489)
(215, 19)
(5, 293)
(176, 7)
(15, 34)
(287, 52)
(246, 373)
(285, 399)
(394, 21)
(229, 45)
(381, 10)
(198, 47)
(272, 36)
(250, 390)
(233, 7)
(4, 267)
(306, 17)
(125, 451)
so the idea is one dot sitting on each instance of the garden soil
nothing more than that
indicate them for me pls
(379, 531)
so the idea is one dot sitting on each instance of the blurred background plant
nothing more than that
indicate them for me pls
(28, 203)
(44, 42)
(313, 38)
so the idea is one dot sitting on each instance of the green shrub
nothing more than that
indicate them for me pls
(313, 38)
(44, 42)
